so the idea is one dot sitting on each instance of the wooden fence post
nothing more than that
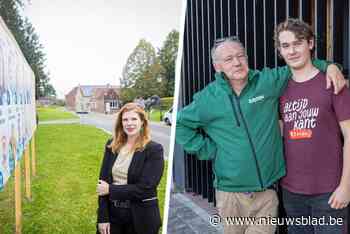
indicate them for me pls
(33, 155)
(27, 173)
(18, 198)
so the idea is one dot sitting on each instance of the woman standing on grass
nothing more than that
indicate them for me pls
(131, 170)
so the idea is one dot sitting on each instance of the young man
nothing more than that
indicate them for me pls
(239, 114)
(317, 183)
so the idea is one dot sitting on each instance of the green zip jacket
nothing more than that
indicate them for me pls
(242, 132)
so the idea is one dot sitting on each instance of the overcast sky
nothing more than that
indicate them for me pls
(87, 42)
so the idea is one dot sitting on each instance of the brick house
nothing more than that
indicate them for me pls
(95, 98)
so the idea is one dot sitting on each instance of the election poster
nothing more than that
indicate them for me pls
(17, 104)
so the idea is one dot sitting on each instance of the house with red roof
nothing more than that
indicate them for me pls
(93, 98)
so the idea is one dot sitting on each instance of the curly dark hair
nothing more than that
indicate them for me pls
(300, 29)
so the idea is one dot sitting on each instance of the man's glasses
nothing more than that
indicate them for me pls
(241, 56)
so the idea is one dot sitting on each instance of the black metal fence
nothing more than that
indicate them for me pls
(253, 21)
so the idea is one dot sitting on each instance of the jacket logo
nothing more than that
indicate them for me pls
(256, 99)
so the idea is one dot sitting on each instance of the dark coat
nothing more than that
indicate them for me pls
(144, 174)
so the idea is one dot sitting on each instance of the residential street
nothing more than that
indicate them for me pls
(159, 131)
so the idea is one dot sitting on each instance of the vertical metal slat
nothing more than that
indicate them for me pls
(254, 25)
(237, 31)
(264, 16)
(275, 25)
(222, 23)
(301, 9)
(245, 23)
(228, 15)
(316, 28)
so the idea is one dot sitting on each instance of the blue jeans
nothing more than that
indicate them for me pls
(316, 207)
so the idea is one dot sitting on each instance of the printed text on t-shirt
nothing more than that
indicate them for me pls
(303, 118)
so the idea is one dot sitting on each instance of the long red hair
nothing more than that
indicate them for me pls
(119, 136)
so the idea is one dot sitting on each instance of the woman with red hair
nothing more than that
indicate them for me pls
(131, 170)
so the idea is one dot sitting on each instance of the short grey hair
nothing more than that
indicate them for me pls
(218, 42)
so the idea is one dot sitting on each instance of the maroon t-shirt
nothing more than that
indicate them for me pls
(312, 135)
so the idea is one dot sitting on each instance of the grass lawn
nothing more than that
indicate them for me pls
(64, 190)
(155, 115)
(53, 113)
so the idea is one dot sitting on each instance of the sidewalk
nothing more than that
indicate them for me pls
(109, 116)
(186, 217)
(60, 121)
(113, 117)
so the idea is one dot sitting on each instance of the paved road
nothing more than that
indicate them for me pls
(185, 217)
(159, 131)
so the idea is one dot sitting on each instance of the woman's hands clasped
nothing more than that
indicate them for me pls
(102, 188)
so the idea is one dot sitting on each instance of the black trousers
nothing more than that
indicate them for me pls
(122, 229)
(121, 221)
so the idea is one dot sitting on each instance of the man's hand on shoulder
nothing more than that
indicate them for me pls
(335, 77)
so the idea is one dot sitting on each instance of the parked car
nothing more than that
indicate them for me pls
(167, 118)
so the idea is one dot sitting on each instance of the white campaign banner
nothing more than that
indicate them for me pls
(17, 103)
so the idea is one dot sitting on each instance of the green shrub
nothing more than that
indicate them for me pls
(166, 103)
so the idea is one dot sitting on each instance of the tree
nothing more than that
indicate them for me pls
(28, 41)
(146, 74)
(151, 81)
(139, 61)
(49, 91)
(167, 58)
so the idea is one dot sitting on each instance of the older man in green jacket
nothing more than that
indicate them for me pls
(239, 114)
